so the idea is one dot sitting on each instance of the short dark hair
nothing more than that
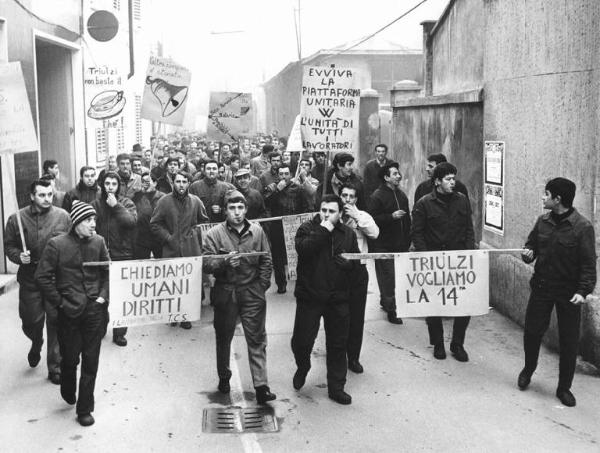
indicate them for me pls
(563, 187)
(123, 156)
(38, 182)
(185, 174)
(48, 177)
(146, 173)
(235, 157)
(85, 168)
(437, 158)
(211, 161)
(267, 149)
(341, 159)
(385, 170)
(349, 185)
(283, 167)
(382, 145)
(136, 147)
(442, 170)
(273, 154)
(136, 157)
(173, 159)
(305, 160)
(48, 164)
(332, 198)
(236, 198)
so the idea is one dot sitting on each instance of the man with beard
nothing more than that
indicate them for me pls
(86, 190)
(254, 200)
(164, 184)
(41, 221)
(80, 294)
(211, 191)
(389, 207)
(174, 221)
(130, 182)
(323, 290)
(282, 198)
(116, 218)
(145, 203)
(239, 290)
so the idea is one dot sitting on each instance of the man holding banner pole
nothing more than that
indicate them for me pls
(442, 220)
(239, 290)
(562, 243)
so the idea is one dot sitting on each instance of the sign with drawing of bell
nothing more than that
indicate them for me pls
(165, 91)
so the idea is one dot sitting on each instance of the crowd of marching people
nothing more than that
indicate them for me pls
(148, 204)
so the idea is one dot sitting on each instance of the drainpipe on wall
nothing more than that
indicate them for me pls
(427, 57)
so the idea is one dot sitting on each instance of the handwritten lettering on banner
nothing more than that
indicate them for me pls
(155, 291)
(450, 283)
(290, 227)
(329, 109)
(230, 115)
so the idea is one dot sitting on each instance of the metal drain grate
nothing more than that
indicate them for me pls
(239, 420)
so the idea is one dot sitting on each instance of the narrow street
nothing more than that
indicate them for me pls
(151, 394)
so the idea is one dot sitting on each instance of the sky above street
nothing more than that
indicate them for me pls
(264, 39)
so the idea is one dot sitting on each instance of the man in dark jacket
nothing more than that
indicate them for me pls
(115, 222)
(80, 294)
(563, 245)
(282, 198)
(239, 290)
(428, 185)
(442, 220)
(145, 204)
(174, 221)
(388, 206)
(340, 173)
(323, 290)
(86, 190)
(211, 191)
(164, 183)
(254, 200)
(271, 174)
(41, 221)
(372, 167)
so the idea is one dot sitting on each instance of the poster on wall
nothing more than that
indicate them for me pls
(230, 116)
(493, 193)
(329, 109)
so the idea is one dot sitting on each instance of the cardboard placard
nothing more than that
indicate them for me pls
(230, 116)
(449, 283)
(291, 224)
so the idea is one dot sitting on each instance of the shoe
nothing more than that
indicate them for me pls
(69, 399)
(566, 397)
(54, 378)
(355, 366)
(459, 353)
(340, 397)
(281, 289)
(224, 386)
(34, 357)
(187, 325)
(299, 378)
(524, 379)
(120, 340)
(439, 352)
(85, 419)
(263, 394)
(393, 318)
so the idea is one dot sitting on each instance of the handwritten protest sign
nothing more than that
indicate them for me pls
(291, 224)
(329, 109)
(450, 283)
(17, 133)
(155, 291)
(166, 91)
(230, 116)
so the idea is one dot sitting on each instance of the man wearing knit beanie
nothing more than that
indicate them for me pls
(80, 294)
(562, 244)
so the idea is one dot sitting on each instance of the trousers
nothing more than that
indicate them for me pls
(537, 319)
(34, 311)
(436, 329)
(358, 302)
(278, 253)
(386, 280)
(250, 305)
(81, 336)
(336, 318)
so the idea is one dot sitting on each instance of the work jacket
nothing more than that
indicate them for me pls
(145, 204)
(371, 175)
(38, 228)
(255, 203)
(116, 225)
(212, 193)
(428, 185)
(394, 234)
(81, 192)
(292, 199)
(64, 280)
(565, 253)
(174, 221)
(321, 279)
(440, 225)
(334, 186)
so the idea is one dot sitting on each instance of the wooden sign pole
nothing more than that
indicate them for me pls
(10, 169)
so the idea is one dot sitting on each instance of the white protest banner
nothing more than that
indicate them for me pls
(155, 291)
(230, 115)
(291, 223)
(450, 283)
(295, 139)
(166, 91)
(17, 133)
(329, 109)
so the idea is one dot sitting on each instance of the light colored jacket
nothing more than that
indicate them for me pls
(364, 227)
